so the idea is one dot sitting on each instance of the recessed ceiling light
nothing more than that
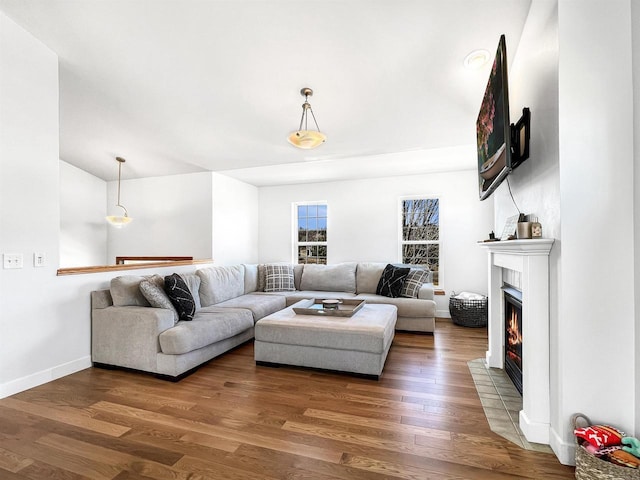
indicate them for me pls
(476, 59)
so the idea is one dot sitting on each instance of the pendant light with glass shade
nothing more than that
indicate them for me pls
(305, 138)
(117, 220)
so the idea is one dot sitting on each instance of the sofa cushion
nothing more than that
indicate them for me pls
(193, 282)
(413, 282)
(391, 281)
(180, 295)
(125, 291)
(340, 277)
(407, 307)
(367, 277)
(279, 278)
(218, 284)
(209, 325)
(153, 290)
(260, 304)
(250, 277)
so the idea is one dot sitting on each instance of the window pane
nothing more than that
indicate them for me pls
(312, 227)
(423, 255)
(420, 219)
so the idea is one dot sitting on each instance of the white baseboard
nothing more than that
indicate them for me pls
(566, 452)
(443, 314)
(44, 376)
(536, 432)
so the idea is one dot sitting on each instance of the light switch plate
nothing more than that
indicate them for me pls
(39, 259)
(12, 260)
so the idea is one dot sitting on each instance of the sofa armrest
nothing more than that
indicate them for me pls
(128, 336)
(426, 291)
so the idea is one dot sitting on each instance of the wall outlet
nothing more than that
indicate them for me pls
(12, 260)
(39, 259)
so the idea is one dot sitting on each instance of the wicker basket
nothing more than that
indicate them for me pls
(590, 467)
(468, 313)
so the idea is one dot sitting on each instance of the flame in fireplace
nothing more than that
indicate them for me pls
(515, 336)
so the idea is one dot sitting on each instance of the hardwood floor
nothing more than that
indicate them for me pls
(233, 420)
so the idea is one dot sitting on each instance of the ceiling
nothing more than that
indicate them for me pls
(182, 86)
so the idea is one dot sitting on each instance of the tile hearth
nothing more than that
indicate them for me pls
(501, 403)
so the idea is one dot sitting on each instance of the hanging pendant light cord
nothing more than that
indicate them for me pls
(120, 161)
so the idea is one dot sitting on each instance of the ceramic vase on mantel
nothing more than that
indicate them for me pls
(524, 230)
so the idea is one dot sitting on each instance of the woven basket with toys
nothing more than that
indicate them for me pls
(603, 452)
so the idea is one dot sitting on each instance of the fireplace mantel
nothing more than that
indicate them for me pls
(531, 259)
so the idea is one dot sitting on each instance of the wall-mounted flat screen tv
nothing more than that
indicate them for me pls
(501, 146)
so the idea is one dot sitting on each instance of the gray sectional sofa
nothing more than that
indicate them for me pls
(128, 333)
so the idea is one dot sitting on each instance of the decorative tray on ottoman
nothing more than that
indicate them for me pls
(330, 307)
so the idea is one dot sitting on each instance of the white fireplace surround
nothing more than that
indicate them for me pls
(531, 259)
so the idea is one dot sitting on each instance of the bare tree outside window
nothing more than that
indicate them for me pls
(311, 233)
(421, 233)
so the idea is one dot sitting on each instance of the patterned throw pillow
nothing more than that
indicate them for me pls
(413, 282)
(153, 290)
(279, 278)
(180, 296)
(392, 281)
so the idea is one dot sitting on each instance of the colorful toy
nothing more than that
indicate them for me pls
(625, 459)
(634, 446)
(600, 435)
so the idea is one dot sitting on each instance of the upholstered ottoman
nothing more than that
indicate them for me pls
(357, 344)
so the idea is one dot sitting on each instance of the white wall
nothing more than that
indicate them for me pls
(533, 83)
(29, 203)
(635, 23)
(83, 229)
(597, 327)
(364, 220)
(172, 216)
(235, 221)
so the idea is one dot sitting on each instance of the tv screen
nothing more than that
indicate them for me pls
(493, 127)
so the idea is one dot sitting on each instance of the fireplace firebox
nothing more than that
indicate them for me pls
(513, 335)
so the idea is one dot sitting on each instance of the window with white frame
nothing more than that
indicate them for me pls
(420, 233)
(311, 232)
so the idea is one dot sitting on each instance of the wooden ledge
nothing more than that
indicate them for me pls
(136, 266)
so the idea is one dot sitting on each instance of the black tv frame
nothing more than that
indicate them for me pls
(516, 136)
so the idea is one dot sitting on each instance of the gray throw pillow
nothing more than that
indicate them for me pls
(153, 290)
(262, 277)
(125, 291)
(279, 278)
(413, 282)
